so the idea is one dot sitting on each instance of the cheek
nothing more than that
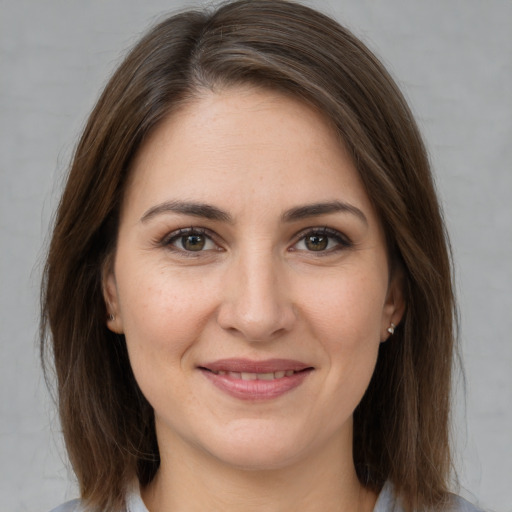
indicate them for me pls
(347, 310)
(163, 315)
(163, 312)
(346, 322)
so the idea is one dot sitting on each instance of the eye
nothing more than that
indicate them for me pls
(190, 240)
(316, 242)
(321, 240)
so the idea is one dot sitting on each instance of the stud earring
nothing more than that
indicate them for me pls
(110, 317)
(391, 328)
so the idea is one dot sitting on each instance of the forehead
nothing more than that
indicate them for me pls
(243, 146)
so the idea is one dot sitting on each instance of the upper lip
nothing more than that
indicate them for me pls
(251, 366)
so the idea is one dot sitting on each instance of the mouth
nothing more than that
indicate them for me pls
(255, 376)
(256, 380)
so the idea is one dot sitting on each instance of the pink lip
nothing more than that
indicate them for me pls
(255, 389)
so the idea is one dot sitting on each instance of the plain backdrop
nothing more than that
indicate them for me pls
(453, 60)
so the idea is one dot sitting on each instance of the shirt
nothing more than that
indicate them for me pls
(386, 502)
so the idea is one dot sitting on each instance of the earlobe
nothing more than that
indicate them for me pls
(110, 295)
(394, 306)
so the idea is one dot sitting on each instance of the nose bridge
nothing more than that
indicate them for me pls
(256, 304)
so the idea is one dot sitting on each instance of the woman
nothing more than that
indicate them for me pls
(248, 293)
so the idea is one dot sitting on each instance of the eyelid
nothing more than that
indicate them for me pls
(166, 241)
(342, 239)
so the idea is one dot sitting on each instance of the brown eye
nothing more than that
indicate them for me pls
(316, 242)
(189, 241)
(193, 242)
(321, 240)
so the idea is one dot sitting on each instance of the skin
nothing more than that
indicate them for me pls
(257, 291)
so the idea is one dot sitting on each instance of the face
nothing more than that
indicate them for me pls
(251, 281)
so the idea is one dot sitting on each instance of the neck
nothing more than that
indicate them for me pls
(202, 482)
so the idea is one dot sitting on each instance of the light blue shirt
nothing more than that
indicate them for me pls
(386, 502)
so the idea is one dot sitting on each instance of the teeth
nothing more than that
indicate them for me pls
(266, 376)
(256, 376)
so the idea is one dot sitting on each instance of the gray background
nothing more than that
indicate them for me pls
(452, 58)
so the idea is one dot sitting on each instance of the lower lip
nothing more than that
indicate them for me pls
(256, 389)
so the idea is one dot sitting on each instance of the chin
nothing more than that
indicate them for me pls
(259, 448)
(257, 458)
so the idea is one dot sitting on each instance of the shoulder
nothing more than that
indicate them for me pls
(134, 502)
(69, 506)
(461, 505)
(388, 501)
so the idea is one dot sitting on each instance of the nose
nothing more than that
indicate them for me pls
(256, 302)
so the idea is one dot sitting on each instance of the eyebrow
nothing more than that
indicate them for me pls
(210, 212)
(203, 210)
(317, 209)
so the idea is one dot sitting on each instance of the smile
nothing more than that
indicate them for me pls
(256, 376)
(256, 380)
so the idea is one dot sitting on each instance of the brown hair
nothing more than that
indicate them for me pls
(401, 430)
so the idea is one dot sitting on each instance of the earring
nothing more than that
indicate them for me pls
(110, 317)
(391, 328)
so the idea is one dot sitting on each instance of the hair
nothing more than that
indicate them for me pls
(401, 426)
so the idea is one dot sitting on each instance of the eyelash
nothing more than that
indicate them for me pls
(342, 241)
(175, 236)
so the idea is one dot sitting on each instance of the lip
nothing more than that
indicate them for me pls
(291, 374)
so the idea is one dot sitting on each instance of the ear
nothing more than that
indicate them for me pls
(111, 297)
(394, 307)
